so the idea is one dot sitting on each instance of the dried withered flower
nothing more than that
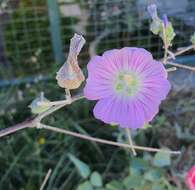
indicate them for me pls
(70, 76)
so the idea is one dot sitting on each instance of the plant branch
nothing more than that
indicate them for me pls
(103, 141)
(53, 103)
(57, 107)
(165, 45)
(25, 124)
(181, 66)
(171, 69)
(181, 51)
(32, 122)
(35, 122)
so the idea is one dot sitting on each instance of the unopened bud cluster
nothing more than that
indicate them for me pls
(162, 27)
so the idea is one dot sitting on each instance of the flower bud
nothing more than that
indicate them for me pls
(170, 34)
(36, 107)
(160, 26)
(193, 39)
(169, 31)
(70, 76)
(165, 20)
(156, 26)
(152, 10)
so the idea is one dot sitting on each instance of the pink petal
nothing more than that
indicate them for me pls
(155, 69)
(114, 59)
(115, 110)
(134, 117)
(153, 91)
(99, 82)
(99, 68)
(149, 105)
(156, 87)
(95, 89)
(104, 110)
(138, 58)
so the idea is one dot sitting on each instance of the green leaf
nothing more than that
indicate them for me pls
(132, 181)
(138, 165)
(96, 179)
(145, 186)
(146, 126)
(85, 186)
(114, 185)
(83, 168)
(162, 159)
(157, 186)
(153, 175)
(170, 34)
(160, 119)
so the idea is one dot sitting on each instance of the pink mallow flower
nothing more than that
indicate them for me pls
(129, 86)
(190, 178)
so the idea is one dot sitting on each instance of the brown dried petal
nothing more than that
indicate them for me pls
(70, 75)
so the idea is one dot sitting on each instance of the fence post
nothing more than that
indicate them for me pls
(54, 19)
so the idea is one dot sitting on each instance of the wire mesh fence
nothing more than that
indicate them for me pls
(34, 34)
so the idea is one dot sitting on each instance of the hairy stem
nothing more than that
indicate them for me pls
(181, 66)
(165, 45)
(183, 50)
(68, 94)
(130, 141)
(171, 69)
(103, 141)
(9, 130)
(32, 122)
(179, 52)
(53, 103)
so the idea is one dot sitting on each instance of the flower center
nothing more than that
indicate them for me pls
(128, 79)
(126, 83)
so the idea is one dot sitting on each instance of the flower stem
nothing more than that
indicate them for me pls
(35, 121)
(53, 103)
(103, 141)
(32, 122)
(181, 66)
(165, 45)
(130, 140)
(181, 51)
(68, 95)
(25, 124)
(171, 69)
